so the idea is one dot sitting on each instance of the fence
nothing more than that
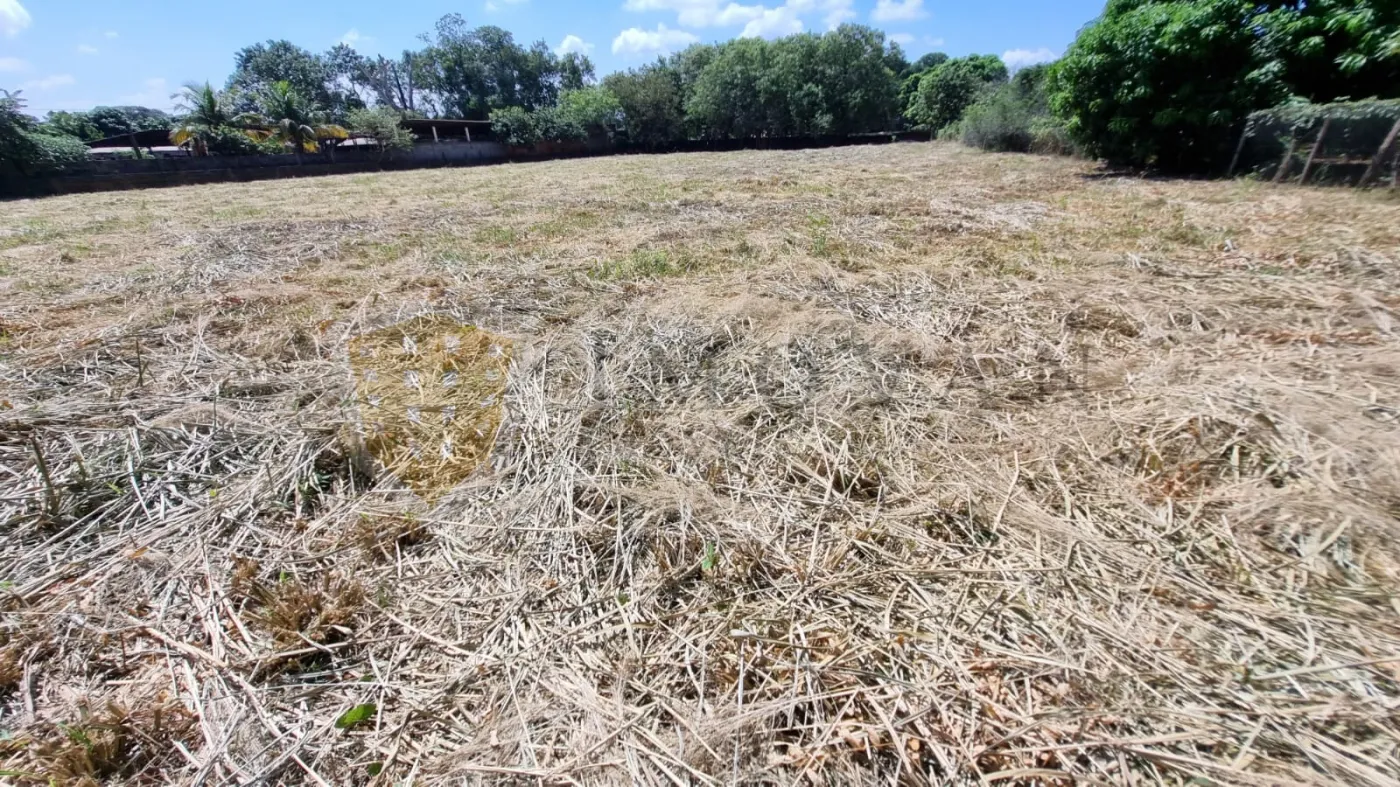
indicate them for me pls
(1352, 142)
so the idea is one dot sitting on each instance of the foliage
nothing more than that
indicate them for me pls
(1303, 115)
(259, 67)
(1165, 84)
(521, 127)
(575, 72)
(651, 99)
(71, 124)
(291, 120)
(382, 125)
(596, 109)
(25, 149)
(104, 122)
(945, 92)
(470, 72)
(1000, 121)
(209, 123)
(836, 83)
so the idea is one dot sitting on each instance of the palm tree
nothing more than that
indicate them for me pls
(204, 111)
(290, 119)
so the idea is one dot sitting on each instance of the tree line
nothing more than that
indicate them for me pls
(1154, 83)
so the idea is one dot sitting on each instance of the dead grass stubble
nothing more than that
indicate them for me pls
(791, 525)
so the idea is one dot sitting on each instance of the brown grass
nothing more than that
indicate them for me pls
(897, 464)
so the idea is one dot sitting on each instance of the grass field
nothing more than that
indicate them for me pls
(862, 465)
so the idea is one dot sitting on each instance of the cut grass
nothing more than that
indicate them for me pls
(866, 465)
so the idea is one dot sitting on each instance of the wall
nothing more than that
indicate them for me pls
(153, 173)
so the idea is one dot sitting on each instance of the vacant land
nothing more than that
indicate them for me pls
(857, 465)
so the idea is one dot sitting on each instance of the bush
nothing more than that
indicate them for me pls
(999, 121)
(594, 109)
(514, 126)
(56, 153)
(522, 128)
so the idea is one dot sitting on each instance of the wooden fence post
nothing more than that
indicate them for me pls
(1375, 165)
(1317, 146)
(1283, 165)
(1234, 162)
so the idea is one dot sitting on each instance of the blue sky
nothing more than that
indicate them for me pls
(75, 54)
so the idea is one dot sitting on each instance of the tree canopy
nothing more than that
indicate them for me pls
(1166, 83)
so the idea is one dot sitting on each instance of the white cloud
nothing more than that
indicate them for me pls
(931, 41)
(12, 65)
(773, 23)
(110, 34)
(1020, 58)
(898, 10)
(492, 6)
(903, 39)
(636, 41)
(49, 82)
(84, 49)
(574, 44)
(13, 18)
(758, 19)
(353, 37)
(154, 93)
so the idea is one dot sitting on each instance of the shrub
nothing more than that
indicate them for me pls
(1000, 121)
(520, 127)
(57, 152)
(514, 126)
(596, 110)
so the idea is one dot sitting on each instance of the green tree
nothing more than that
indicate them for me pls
(1165, 84)
(652, 114)
(471, 71)
(575, 71)
(314, 77)
(382, 125)
(291, 120)
(209, 122)
(72, 124)
(24, 150)
(595, 109)
(945, 92)
(1161, 84)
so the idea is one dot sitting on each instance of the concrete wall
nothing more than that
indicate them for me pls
(114, 175)
(151, 173)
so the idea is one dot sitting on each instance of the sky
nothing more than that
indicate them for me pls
(76, 54)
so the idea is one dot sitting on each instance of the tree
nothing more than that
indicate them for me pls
(290, 119)
(945, 92)
(575, 71)
(24, 150)
(652, 114)
(471, 72)
(209, 122)
(382, 125)
(925, 63)
(313, 77)
(72, 124)
(1165, 84)
(1161, 84)
(595, 109)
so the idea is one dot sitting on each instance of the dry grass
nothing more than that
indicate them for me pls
(867, 465)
